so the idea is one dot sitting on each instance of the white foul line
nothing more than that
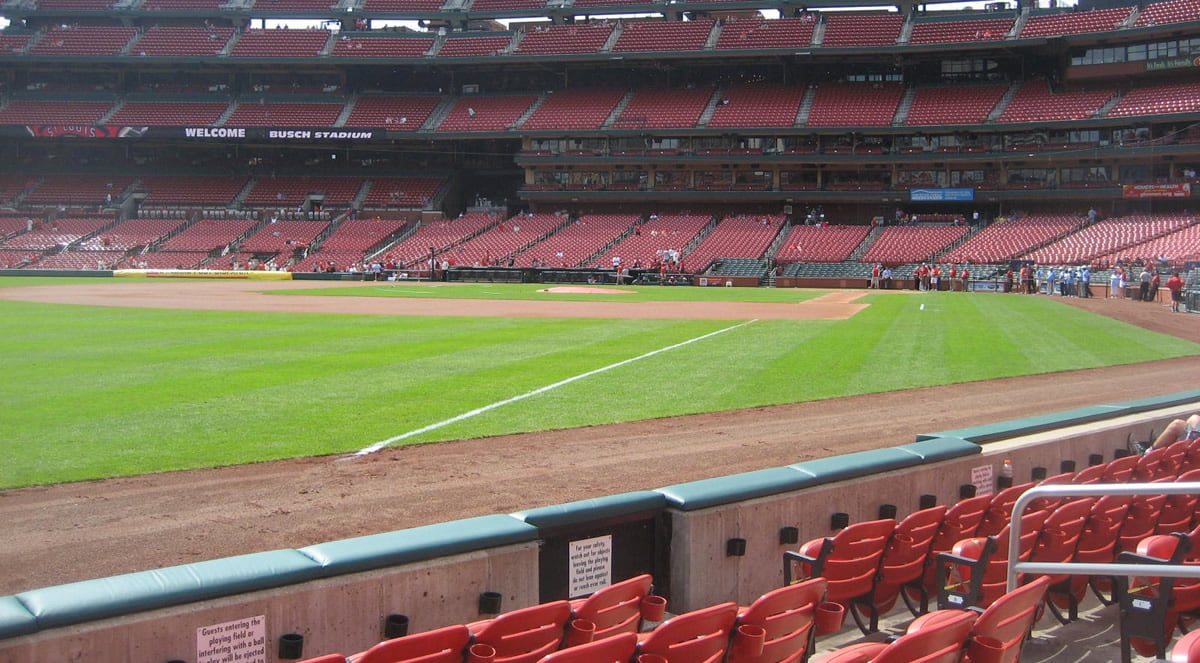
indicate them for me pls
(540, 390)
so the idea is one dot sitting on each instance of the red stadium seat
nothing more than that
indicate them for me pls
(443, 645)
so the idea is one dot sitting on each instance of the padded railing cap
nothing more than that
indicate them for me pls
(941, 448)
(15, 618)
(860, 463)
(88, 600)
(735, 488)
(419, 543)
(593, 510)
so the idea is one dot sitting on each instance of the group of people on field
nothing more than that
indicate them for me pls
(931, 277)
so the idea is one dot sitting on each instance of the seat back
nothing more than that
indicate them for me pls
(700, 636)
(1141, 521)
(849, 560)
(1008, 620)
(1186, 649)
(616, 608)
(787, 615)
(1090, 474)
(904, 560)
(617, 648)
(1060, 533)
(999, 510)
(939, 639)
(525, 635)
(443, 645)
(1119, 470)
(1178, 511)
(960, 522)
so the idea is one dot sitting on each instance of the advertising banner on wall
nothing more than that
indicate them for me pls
(215, 134)
(1175, 190)
(941, 195)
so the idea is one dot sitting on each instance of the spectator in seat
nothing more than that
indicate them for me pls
(1179, 430)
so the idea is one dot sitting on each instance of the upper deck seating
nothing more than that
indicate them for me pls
(295, 191)
(407, 6)
(663, 36)
(78, 189)
(741, 236)
(167, 260)
(284, 114)
(207, 6)
(365, 46)
(163, 190)
(403, 192)
(574, 109)
(132, 234)
(392, 113)
(497, 244)
(1057, 25)
(11, 224)
(1035, 101)
(505, 5)
(761, 34)
(758, 105)
(285, 236)
(25, 111)
(855, 104)
(953, 105)
(295, 7)
(664, 108)
(208, 234)
(84, 260)
(172, 41)
(83, 40)
(169, 113)
(13, 43)
(821, 243)
(1178, 247)
(279, 44)
(969, 31)
(74, 5)
(1108, 236)
(903, 244)
(473, 46)
(59, 232)
(1171, 11)
(413, 251)
(497, 113)
(862, 29)
(577, 241)
(1158, 100)
(361, 234)
(654, 237)
(350, 241)
(561, 39)
(1005, 241)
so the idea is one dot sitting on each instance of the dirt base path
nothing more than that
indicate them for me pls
(71, 532)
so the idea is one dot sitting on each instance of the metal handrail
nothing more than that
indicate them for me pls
(1079, 568)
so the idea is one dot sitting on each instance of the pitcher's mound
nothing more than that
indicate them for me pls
(587, 291)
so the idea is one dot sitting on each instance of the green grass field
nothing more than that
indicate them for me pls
(93, 392)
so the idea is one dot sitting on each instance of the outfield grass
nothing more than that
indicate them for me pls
(93, 392)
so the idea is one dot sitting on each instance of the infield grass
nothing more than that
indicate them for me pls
(92, 392)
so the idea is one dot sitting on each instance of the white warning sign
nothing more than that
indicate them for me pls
(984, 479)
(238, 641)
(590, 562)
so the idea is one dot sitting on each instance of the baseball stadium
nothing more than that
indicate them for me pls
(599, 331)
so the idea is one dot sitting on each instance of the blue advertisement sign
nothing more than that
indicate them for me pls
(941, 195)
